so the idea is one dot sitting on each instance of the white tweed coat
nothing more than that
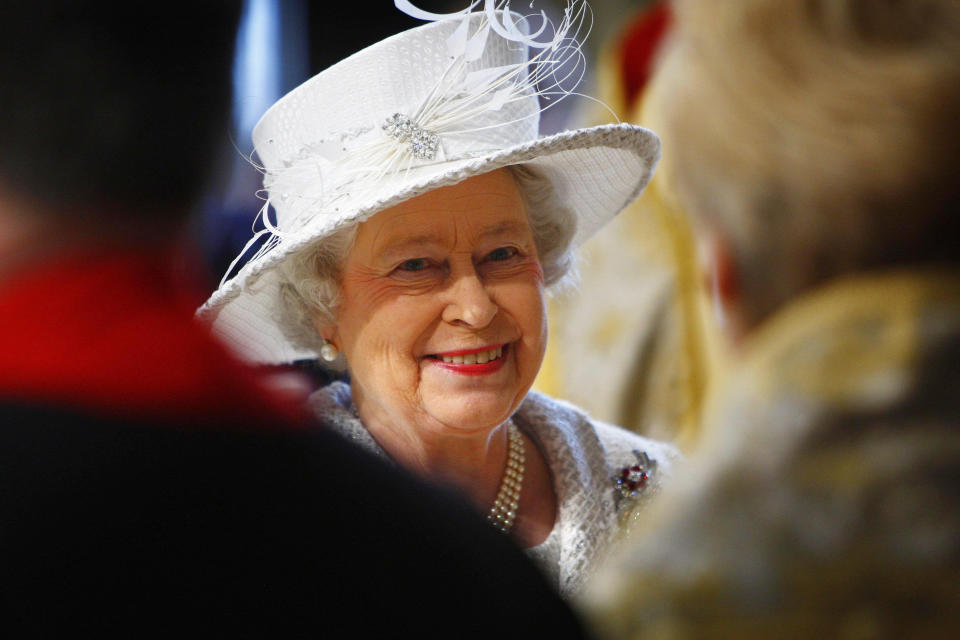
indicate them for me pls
(585, 458)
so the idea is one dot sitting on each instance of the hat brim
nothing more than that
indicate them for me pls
(596, 172)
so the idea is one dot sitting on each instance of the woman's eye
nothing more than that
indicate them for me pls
(415, 264)
(501, 254)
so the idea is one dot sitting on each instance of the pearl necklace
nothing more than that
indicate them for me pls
(504, 509)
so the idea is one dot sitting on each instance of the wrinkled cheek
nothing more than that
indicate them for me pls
(388, 378)
(538, 346)
(368, 354)
(535, 336)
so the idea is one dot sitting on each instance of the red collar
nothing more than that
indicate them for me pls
(114, 333)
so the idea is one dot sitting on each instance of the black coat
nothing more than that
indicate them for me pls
(133, 528)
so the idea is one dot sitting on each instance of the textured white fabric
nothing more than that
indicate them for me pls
(584, 458)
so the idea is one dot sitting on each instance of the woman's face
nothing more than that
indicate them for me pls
(442, 316)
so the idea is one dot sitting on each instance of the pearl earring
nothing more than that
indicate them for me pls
(329, 352)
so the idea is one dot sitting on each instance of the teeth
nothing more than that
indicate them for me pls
(475, 358)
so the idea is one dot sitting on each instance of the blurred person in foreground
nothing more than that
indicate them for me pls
(149, 483)
(816, 143)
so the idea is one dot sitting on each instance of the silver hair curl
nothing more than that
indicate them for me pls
(310, 278)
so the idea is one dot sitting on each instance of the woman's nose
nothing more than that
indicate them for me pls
(470, 303)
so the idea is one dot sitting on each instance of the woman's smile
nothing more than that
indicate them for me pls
(471, 362)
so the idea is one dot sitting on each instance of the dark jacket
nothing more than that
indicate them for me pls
(165, 511)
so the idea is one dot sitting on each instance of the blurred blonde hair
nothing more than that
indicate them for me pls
(818, 136)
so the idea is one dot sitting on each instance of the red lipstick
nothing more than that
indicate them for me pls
(476, 369)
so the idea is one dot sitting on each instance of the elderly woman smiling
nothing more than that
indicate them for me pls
(415, 251)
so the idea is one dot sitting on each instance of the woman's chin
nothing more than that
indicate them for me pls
(470, 402)
(471, 412)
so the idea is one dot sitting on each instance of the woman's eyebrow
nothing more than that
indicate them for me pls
(504, 228)
(399, 245)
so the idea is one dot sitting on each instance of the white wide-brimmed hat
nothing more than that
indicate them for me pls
(425, 108)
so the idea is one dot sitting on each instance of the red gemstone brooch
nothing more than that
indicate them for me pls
(633, 479)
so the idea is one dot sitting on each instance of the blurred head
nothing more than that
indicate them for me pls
(110, 110)
(813, 138)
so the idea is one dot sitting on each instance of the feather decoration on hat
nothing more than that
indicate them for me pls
(466, 99)
(556, 67)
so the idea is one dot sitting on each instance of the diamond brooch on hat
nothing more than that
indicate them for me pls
(423, 143)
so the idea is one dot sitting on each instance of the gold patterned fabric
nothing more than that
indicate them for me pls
(824, 500)
(634, 345)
